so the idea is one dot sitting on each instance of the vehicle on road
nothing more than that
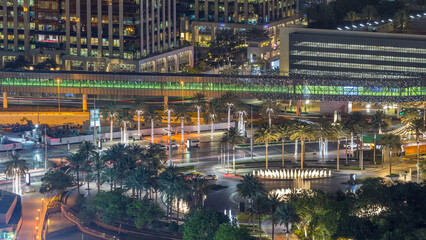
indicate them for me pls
(210, 177)
(172, 145)
(192, 143)
(192, 176)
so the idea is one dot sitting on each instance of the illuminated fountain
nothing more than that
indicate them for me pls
(293, 173)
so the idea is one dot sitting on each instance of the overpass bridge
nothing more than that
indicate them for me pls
(405, 88)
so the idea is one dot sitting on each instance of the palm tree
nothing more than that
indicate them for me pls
(249, 187)
(113, 155)
(270, 109)
(339, 132)
(150, 115)
(166, 181)
(265, 134)
(260, 208)
(199, 102)
(77, 162)
(351, 16)
(212, 113)
(98, 166)
(354, 120)
(369, 12)
(139, 179)
(110, 112)
(379, 122)
(391, 141)
(323, 130)
(273, 202)
(181, 114)
(199, 188)
(16, 167)
(233, 137)
(180, 190)
(87, 149)
(125, 118)
(241, 111)
(401, 19)
(361, 129)
(417, 126)
(109, 174)
(139, 107)
(229, 100)
(302, 131)
(283, 130)
(286, 214)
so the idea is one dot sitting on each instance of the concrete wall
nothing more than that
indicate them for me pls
(10, 146)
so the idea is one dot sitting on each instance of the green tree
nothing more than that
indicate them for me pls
(391, 141)
(339, 132)
(249, 187)
(265, 134)
(55, 180)
(199, 103)
(351, 16)
(417, 126)
(77, 162)
(19, 62)
(113, 155)
(47, 64)
(181, 113)
(229, 100)
(302, 131)
(369, 12)
(203, 224)
(323, 130)
(152, 116)
(140, 108)
(98, 165)
(259, 207)
(401, 19)
(125, 119)
(273, 203)
(16, 168)
(228, 231)
(286, 214)
(212, 113)
(283, 130)
(144, 212)
(111, 207)
(110, 112)
(86, 149)
(269, 110)
(379, 122)
(166, 185)
(233, 137)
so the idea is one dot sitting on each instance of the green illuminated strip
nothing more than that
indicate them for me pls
(305, 90)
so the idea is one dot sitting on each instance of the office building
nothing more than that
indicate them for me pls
(94, 35)
(239, 16)
(351, 53)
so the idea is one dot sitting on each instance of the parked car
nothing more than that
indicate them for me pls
(191, 176)
(192, 143)
(173, 145)
(210, 177)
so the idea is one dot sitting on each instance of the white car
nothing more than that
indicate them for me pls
(210, 177)
(173, 145)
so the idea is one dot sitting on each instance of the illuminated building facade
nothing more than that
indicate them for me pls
(92, 35)
(351, 54)
(239, 16)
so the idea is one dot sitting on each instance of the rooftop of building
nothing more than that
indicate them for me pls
(6, 200)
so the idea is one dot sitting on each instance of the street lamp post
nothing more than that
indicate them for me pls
(59, 95)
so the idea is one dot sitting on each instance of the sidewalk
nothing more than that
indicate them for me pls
(279, 231)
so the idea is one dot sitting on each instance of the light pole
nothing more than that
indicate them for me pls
(251, 135)
(182, 83)
(45, 150)
(59, 95)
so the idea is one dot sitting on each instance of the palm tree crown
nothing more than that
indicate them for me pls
(15, 166)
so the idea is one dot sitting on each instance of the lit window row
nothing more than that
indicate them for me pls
(361, 47)
(346, 74)
(358, 56)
